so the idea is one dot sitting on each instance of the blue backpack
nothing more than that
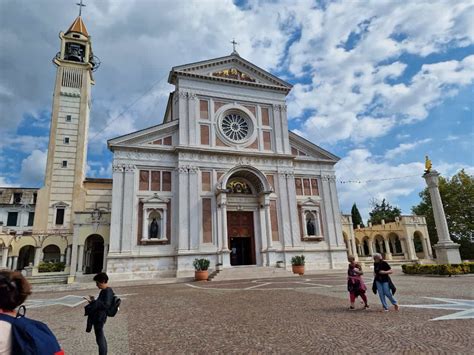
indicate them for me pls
(31, 337)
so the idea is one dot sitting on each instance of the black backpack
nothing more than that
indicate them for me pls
(114, 308)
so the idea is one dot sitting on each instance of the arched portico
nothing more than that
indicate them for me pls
(26, 256)
(244, 221)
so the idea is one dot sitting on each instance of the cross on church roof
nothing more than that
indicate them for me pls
(234, 43)
(81, 5)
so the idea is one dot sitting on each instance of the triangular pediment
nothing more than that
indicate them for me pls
(304, 149)
(155, 199)
(157, 136)
(232, 69)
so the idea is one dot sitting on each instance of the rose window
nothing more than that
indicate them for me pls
(235, 127)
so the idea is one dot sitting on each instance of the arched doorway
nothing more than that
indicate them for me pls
(379, 244)
(51, 254)
(93, 254)
(246, 190)
(25, 256)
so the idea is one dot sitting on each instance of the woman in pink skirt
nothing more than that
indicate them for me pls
(355, 284)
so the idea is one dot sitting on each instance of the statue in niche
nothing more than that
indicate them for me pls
(153, 232)
(310, 227)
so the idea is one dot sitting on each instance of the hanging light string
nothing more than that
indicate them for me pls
(375, 180)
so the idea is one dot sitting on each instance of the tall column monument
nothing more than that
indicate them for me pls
(447, 252)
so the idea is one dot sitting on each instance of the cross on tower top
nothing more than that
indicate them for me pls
(81, 5)
(234, 43)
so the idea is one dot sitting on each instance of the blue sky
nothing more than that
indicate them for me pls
(379, 83)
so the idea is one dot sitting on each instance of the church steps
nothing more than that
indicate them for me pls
(249, 272)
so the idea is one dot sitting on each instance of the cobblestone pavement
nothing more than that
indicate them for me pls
(305, 315)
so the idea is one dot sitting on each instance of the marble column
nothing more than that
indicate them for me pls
(447, 252)
(4, 257)
(194, 201)
(411, 248)
(80, 258)
(37, 258)
(73, 262)
(68, 256)
(371, 247)
(104, 262)
(388, 254)
(15, 263)
(183, 208)
(9, 262)
(404, 249)
(354, 248)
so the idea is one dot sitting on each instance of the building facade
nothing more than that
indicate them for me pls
(222, 178)
(405, 240)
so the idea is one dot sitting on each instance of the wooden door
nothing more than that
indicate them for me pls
(240, 232)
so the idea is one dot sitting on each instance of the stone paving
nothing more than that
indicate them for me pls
(278, 315)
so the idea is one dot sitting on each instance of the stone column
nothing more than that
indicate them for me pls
(225, 241)
(68, 256)
(128, 209)
(371, 247)
(104, 263)
(116, 213)
(73, 262)
(194, 205)
(37, 258)
(9, 262)
(354, 247)
(447, 252)
(4, 257)
(411, 248)
(183, 208)
(15, 263)
(80, 258)
(404, 248)
(388, 254)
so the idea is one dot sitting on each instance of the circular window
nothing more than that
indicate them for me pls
(236, 127)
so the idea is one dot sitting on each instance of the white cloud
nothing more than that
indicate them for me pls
(404, 147)
(33, 168)
(4, 182)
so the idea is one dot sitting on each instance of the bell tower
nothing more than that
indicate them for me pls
(63, 192)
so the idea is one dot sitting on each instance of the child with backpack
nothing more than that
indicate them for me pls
(98, 309)
(18, 334)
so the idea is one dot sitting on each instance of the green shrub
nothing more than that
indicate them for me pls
(297, 260)
(443, 269)
(51, 267)
(201, 264)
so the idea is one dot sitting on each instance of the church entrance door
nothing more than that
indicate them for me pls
(241, 238)
(94, 254)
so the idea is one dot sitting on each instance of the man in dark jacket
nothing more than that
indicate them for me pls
(96, 310)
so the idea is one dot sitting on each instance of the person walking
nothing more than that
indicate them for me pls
(355, 283)
(96, 310)
(383, 283)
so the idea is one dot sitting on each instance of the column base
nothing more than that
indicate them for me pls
(225, 255)
(447, 253)
(387, 256)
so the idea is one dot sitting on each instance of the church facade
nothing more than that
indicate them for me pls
(222, 178)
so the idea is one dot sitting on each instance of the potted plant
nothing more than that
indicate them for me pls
(297, 263)
(200, 267)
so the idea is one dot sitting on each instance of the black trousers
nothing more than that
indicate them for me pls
(100, 338)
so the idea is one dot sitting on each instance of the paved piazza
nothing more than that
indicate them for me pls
(281, 315)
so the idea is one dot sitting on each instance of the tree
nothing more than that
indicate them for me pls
(383, 211)
(457, 195)
(356, 217)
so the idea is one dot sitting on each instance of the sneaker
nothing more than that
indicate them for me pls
(366, 306)
(385, 310)
(351, 308)
(396, 307)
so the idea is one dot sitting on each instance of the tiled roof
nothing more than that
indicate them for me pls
(78, 26)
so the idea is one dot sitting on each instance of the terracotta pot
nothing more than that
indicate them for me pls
(298, 269)
(201, 275)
